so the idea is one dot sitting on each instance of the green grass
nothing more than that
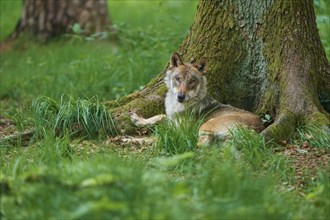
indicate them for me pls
(177, 139)
(314, 136)
(50, 180)
(64, 177)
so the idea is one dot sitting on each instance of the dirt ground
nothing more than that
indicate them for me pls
(306, 160)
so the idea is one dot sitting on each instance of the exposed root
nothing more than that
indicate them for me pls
(288, 122)
(283, 126)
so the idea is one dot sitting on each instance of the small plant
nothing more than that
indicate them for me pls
(267, 120)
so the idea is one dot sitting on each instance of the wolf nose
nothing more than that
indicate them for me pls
(181, 97)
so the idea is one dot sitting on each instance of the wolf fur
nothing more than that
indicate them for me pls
(187, 90)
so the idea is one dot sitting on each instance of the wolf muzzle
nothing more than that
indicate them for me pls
(181, 97)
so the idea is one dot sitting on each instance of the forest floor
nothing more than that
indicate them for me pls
(306, 159)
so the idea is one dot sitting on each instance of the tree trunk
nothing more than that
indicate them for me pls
(45, 19)
(263, 55)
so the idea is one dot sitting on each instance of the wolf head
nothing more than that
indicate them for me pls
(186, 81)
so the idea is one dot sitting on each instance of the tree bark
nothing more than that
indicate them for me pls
(45, 19)
(263, 55)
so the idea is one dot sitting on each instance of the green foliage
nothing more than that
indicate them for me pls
(254, 152)
(252, 146)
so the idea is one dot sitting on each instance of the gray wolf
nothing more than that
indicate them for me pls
(187, 90)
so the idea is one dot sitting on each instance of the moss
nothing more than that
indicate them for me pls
(291, 32)
(273, 32)
(215, 37)
(318, 119)
(162, 91)
(111, 104)
(121, 101)
(268, 103)
(146, 106)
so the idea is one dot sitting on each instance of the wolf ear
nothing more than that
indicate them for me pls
(175, 60)
(201, 65)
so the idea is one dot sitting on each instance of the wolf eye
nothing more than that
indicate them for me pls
(192, 82)
(177, 79)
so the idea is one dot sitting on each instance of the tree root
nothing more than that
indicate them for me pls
(288, 122)
(283, 126)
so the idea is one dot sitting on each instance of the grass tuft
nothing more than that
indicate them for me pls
(75, 116)
(314, 136)
(177, 138)
(251, 145)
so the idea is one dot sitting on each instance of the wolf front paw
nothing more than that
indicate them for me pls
(142, 122)
(205, 138)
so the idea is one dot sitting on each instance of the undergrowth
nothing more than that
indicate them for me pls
(216, 182)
